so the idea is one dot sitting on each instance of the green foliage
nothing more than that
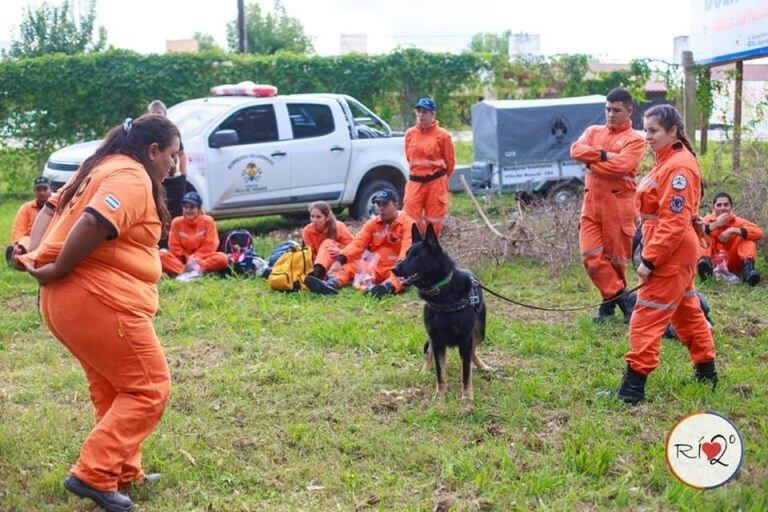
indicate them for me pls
(271, 32)
(490, 43)
(57, 99)
(18, 167)
(53, 29)
(205, 42)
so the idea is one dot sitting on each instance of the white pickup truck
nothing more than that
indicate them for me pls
(265, 155)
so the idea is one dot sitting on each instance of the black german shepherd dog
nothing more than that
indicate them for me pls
(454, 313)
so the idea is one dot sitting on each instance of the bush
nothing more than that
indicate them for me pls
(18, 168)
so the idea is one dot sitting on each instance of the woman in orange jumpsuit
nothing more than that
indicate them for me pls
(98, 266)
(431, 158)
(667, 201)
(325, 235)
(193, 241)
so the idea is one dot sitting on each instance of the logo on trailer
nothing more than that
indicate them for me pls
(559, 128)
(704, 450)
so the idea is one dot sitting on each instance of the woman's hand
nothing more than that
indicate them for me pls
(643, 272)
(727, 234)
(45, 274)
(333, 251)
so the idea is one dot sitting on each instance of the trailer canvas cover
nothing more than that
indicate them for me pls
(510, 133)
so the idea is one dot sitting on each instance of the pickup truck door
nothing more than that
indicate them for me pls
(256, 170)
(320, 150)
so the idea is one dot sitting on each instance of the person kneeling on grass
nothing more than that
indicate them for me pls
(325, 235)
(388, 236)
(192, 242)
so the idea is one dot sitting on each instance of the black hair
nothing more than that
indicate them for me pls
(668, 116)
(722, 194)
(132, 139)
(619, 94)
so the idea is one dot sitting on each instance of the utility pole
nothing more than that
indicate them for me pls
(242, 45)
(689, 96)
(737, 115)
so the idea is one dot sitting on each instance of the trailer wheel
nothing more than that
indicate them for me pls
(567, 192)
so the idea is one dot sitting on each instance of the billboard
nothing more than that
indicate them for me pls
(728, 30)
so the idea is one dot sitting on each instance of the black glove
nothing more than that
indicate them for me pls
(381, 290)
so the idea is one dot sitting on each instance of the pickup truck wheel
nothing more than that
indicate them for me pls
(363, 207)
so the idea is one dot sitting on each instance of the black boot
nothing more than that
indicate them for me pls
(606, 309)
(751, 276)
(705, 268)
(626, 304)
(632, 389)
(109, 501)
(706, 373)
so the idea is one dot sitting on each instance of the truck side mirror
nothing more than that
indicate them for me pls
(222, 138)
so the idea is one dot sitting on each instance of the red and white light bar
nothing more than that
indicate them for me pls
(246, 88)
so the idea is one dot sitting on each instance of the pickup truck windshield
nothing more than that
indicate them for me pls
(190, 118)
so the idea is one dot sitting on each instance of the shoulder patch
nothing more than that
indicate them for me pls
(112, 202)
(677, 203)
(679, 182)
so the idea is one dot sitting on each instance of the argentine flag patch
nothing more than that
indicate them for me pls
(112, 202)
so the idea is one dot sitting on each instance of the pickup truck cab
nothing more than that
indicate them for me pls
(251, 155)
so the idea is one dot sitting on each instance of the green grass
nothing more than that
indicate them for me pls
(298, 402)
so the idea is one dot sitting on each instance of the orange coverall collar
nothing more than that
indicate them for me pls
(434, 125)
(622, 127)
(668, 151)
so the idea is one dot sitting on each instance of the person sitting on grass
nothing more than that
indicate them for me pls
(731, 238)
(387, 236)
(192, 242)
(25, 217)
(325, 235)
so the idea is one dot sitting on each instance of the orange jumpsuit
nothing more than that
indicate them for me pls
(431, 159)
(322, 246)
(607, 221)
(22, 224)
(389, 241)
(196, 239)
(739, 247)
(102, 312)
(667, 200)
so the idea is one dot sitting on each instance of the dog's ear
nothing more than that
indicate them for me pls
(431, 237)
(415, 233)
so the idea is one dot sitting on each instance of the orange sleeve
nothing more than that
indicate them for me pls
(750, 230)
(210, 242)
(20, 223)
(407, 239)
(174, 240)
(448, 153)
(406, 142)
(306, 238)
(121, 199)
(676, 208)
(624, 164)
(354, 250)
(343, 236)
(582, 150)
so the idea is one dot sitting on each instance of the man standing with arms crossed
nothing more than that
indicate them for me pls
(611, 154)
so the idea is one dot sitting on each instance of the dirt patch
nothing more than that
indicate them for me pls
(447, 499)
(392, 400)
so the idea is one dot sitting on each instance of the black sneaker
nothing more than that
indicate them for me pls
(9, 254)
(316, 285)
(632, 388)
(109, 501)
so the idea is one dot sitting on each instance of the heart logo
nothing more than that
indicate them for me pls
(711, 449)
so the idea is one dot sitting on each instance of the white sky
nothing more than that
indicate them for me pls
(611, 30)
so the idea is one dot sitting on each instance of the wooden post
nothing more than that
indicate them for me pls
(737, 115)
(705, 114)
(689, 96)
(242, 44)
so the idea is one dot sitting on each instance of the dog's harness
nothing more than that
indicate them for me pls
(471, 300)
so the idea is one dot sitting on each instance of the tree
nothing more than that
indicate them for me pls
(270, 32)
(52, 29)
(492, 44)
(205, 42)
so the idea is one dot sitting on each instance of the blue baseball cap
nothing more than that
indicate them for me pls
(384, 196)
(192, 198)
(426, 103)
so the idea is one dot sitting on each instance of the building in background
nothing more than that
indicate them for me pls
(181, 45)
(524, 44)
